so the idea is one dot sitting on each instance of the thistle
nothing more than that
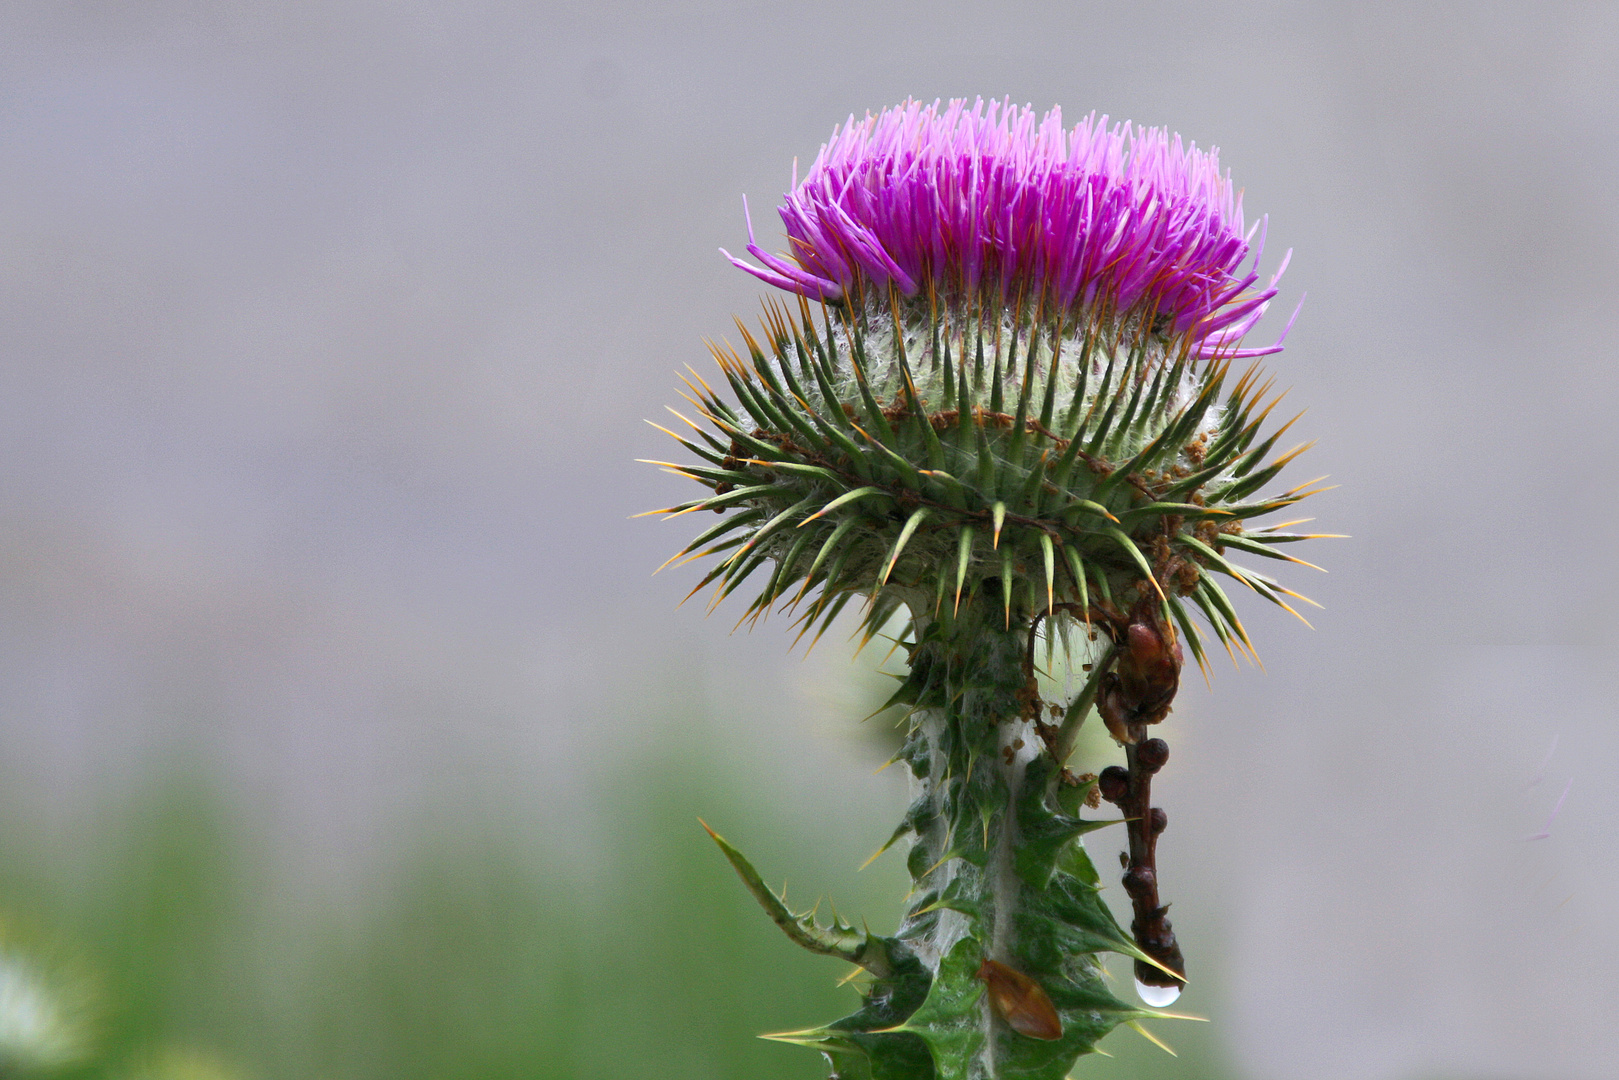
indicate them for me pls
(1007, 405)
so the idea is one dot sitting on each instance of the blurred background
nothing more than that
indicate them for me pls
(344, 731)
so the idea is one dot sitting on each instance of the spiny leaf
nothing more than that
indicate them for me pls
(855, 946)
(948, 1019)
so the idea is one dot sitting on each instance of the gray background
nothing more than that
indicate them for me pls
(327, 330)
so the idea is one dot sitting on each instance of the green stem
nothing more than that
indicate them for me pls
(1004, 897)
(994, 971)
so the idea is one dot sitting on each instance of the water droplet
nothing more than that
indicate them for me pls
(1157, 996)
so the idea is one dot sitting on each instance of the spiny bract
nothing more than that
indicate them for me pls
(932, 458)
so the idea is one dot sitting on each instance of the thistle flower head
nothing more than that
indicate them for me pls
(1007, 390)
(992, 202)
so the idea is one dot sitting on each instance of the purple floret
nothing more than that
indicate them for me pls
(994, 200)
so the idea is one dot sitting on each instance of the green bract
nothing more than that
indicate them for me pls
(983, 458)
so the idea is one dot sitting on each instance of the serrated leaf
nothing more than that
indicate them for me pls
(846, 943)
(950, 1020)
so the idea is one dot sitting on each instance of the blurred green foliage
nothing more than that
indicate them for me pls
(476, 955)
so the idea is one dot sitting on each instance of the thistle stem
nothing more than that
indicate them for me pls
(1005, 911)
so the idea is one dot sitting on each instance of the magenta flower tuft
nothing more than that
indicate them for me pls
(992, 201)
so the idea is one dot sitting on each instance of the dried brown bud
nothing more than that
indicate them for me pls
(1114, 783)
(1153, 754)
(1139, 880)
